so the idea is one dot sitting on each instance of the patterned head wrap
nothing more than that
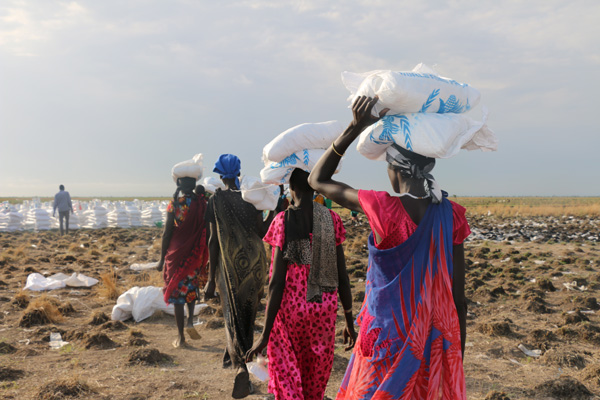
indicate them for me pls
(228, 166)
(413, 165)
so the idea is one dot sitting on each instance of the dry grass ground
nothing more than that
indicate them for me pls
(539, 294)
(531, 206)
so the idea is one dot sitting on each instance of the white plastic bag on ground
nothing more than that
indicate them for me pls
(75, 279)
(263, 196)
(39, 282)
(188, 169)
(211, 184)
(431, 135)
(142, 267)
(419, 90)
(304, 136)
(279, 172)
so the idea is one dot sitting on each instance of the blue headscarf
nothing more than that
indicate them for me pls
(228, 166)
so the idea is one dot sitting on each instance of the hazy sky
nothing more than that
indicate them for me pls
(105, 96)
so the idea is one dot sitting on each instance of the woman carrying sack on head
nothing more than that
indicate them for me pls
(413, 319)
(307, 270)
(184, 254)
(238, 265)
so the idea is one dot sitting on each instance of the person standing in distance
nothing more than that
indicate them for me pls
(62, 201)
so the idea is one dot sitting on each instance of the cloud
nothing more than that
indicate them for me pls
(133, 87)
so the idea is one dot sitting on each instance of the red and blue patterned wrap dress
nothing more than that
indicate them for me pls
(409, 345)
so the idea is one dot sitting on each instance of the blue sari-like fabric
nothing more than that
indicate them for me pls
(409, 343)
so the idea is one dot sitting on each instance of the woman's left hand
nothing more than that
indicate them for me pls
(362, 112)
(257, 348)
(349, 337)
(160, 265)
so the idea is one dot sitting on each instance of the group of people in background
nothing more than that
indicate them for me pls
(412, 321)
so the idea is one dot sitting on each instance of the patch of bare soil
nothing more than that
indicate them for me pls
(149, 357)
(9, 374)
(564, 387)
(564, 358)
(494, 395)
(495, 329)
(7, 348)
(98, 340)
(113, 326)
(99, 318)
(70, 388)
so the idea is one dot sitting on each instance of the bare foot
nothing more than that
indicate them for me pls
(179, 344)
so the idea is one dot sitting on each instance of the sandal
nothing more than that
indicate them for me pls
(241, 384)
(193, 333)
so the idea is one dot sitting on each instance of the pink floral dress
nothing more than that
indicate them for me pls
(301, 344)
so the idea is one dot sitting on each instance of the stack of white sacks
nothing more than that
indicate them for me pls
(96, 217)
(298, 147)
(73, 221)
(3, 221)
(151, 215)
(12, 220)
(38, 219)
(135, 215)
(425, 114)
(118, 217)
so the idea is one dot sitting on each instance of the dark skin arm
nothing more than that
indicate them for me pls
(276, 287)
(166, 239)
(214, 251)
(320, 177)
(458, 292)
(346, 298)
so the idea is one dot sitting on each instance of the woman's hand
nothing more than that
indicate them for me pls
(349, 337)
(257, 348)
(209, 290)
(362, 112)
(160, 265)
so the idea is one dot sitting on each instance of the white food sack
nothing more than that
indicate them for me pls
(143, 266)
(304, 136)
(37, 282)
(419, 90)
(279, 172)
(263, 196)
(75, 279)
(188, 169)
(142, 302)
(211, 184)
(431, 135)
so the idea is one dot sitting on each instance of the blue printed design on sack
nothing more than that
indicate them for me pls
(453, 105)
(285, 175)
(306, 157)
(430, 100)
(389, 128)
(405, 126)
(290, 160)
(432, 76)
